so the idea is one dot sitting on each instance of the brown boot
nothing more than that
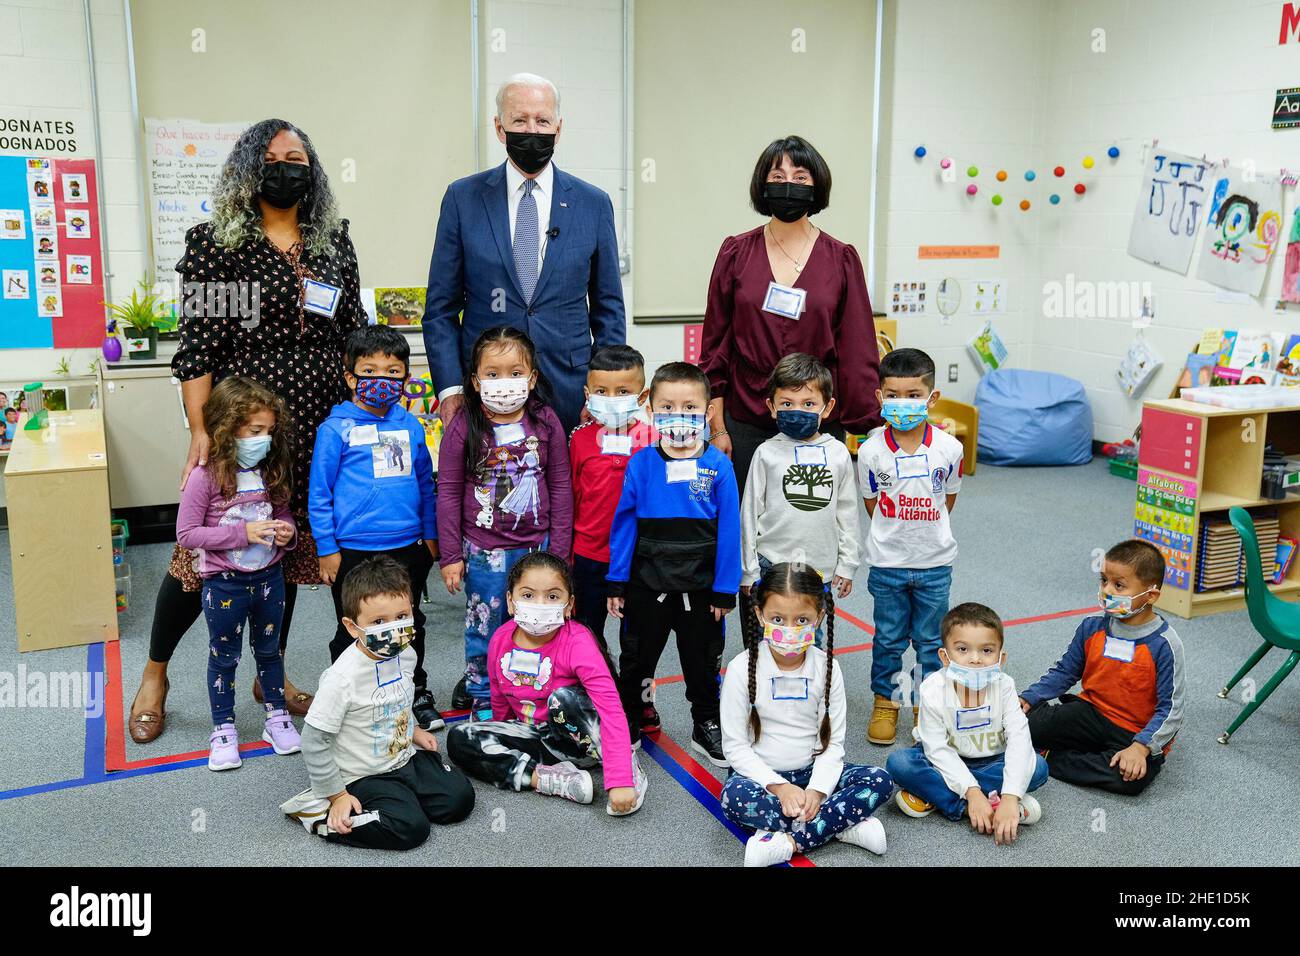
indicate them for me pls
(884, 722)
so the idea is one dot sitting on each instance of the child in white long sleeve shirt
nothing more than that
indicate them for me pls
(783, 729)
(800, 501)
(974, 756)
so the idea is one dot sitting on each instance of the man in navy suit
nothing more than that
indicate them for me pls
(524, 245)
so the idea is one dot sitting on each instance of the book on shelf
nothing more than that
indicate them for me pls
(1221, 560)
(1286, 549)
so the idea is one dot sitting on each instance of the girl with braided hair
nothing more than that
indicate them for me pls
(783, 729)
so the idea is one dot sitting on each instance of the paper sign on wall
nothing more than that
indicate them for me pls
(1243, 226)
(1175, 189)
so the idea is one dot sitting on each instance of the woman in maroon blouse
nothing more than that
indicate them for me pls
(745, 330)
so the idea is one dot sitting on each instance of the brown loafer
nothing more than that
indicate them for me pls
(147, 726)
(297, 704)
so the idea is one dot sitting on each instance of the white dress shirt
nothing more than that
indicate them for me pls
(545, 186)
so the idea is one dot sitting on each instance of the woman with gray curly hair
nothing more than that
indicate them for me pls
(276, 232)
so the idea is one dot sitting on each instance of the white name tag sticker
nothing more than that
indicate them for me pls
(789, 688)
(615, 444)
(525, 662)
(785, 301)
(1118, 649)
(912, 466)
(972, 718)
(509, 434)
(364, 435)
(320, 298)
(681, 471)
(809, 455)
(388, 671)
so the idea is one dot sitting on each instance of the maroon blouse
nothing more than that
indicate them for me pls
(742, 343)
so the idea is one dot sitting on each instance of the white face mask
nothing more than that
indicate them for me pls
(503, 395)
(538, 619)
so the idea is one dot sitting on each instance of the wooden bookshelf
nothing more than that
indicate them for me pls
(1201, 460)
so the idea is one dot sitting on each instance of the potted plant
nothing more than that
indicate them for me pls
(141, 317)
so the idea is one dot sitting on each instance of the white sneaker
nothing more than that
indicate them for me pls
(766, 848)
(869, 834)
(641, 785)
(1030, 811)
(309, 810)
(564, 780)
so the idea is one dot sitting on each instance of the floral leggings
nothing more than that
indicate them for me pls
(860, 792)
(486, 571)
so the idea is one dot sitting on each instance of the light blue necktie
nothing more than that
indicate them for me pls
(526, 241)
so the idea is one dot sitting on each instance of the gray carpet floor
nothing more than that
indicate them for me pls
(1027, 539)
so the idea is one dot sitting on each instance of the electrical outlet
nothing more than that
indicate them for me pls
(952, 372)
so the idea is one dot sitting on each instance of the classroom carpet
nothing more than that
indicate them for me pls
(74, 790)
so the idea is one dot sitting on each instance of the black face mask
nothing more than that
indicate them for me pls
(788, 201)
(530, 151)
(283, 184)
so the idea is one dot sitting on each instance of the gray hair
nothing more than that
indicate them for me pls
(236, 214)
(531, 81)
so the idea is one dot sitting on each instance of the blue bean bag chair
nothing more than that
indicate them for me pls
(1033, 418)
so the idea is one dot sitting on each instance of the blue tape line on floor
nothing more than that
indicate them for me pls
(692, 786)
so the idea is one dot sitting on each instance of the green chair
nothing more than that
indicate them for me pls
(1277, 621)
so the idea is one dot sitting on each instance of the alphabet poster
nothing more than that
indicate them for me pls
(1175, 190)
(1242, 228)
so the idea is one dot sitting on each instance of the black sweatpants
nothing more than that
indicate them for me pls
(647, 622)
(405, 801)
(589, 591)
(1080, 743)
(417, 561)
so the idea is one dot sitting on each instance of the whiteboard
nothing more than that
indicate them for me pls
(184, 159)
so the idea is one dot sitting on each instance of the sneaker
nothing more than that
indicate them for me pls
(913, 805)
(869, 834)
(766, 848)
(707, 739)
(650, 722)
(1030, 810)
(460, 698)
(564, 780)
(223, 753)
(309, 810)
(425, 709)
(480, 710)
(642, 785)
(280, 733)
(883, 727)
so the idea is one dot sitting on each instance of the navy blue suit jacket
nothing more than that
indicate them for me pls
(578, 299)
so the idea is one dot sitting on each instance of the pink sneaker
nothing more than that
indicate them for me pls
(224, 748)
(280, 733)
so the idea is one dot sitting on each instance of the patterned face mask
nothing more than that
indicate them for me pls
(379, 391)
(679, 430)
(538, 619)
(503, 395)
(905, 413)
(1120, 605)
(389, 638)
(789, 640)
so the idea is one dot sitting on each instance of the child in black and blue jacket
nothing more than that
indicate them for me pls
(675, 556)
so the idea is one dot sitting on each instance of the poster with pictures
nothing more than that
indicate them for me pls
(13, 402)
(907, 298)
(1243, 227)
(399, 306)
(12, 224)
(986, 296)
(1175, 189)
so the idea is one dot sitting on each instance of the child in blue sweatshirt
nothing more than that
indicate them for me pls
(372, 489)
(674, 560)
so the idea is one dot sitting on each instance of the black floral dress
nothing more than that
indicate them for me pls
(297, 353)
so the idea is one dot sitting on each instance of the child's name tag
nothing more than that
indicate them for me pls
(912, 466)
(388, 671)
(615, 444)
(320, 298)
(784, 300)
(681, 471)
(364, 435)
(509, 434)
(525, 662)
(789, 688)
(973, 718)
(809, 454)
(1118, 649)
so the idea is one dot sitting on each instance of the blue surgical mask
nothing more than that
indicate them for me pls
(679, 430)
(1121, 605)
(905, 413)
(250, 451)
(613, 411)
(797, 423)
(973, 678)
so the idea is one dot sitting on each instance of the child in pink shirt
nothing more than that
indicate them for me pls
(555, 708)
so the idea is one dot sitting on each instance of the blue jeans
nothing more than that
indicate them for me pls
(861, 790)
(913, 772)
(486, 571)
(229, 599)
(909, 606)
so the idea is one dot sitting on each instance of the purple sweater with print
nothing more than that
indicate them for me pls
(521, 494)
(214, 525)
